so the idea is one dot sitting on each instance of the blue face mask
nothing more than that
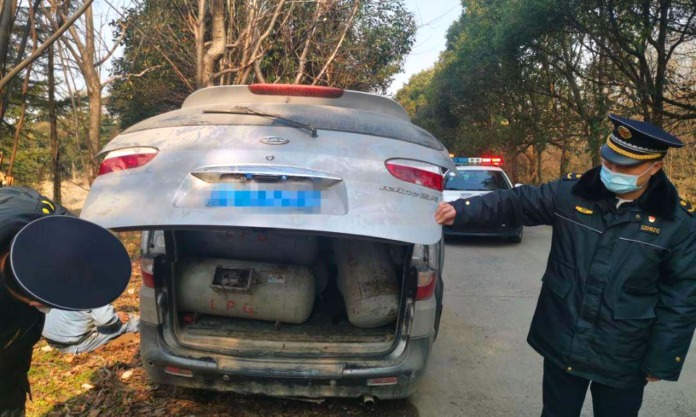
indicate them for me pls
(621, 183)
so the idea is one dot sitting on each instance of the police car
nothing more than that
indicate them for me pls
(477, 176)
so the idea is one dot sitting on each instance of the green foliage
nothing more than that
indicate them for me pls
(382, 36)
(159, 41)
(156, 64)
(414, 95)
(33, 161)
(33, 152)
(525, 77)
(478, 95)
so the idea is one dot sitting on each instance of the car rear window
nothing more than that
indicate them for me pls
(477, 180)
(320, 117)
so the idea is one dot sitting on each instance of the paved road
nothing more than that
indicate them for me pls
(481, 364)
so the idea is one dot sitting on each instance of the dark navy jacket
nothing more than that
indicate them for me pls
(20, 324)
(618, 300)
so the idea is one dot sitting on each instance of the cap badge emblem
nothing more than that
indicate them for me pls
(624, 132)
(651, 219)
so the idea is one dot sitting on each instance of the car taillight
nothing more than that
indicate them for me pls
(126, 159)
(426, 284)
(420, 173)
(380, 382)
(296, 90)
(187, 318)
(173, 370)
(147, 271)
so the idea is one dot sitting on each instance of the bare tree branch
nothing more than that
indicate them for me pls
(263, 37)
(18, 68)
(164, 55)
(348, 26)
(303, 56)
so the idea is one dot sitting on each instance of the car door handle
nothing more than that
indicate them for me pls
(264, 173)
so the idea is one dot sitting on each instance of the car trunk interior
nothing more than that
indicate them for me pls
(267, 292)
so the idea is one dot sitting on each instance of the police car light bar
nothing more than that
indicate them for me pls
(494, 161)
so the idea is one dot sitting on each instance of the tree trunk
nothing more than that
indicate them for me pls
(20, 54)
(94, 86)
(199, 36)
(308, 43)
(19, 126)
(6, 24)
(658, 99)
(217, 45)
(94, 96)
(564, 156)
(52, 120)
(539, 154)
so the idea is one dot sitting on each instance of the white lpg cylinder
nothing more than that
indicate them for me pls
(245, 289)
(367, 281)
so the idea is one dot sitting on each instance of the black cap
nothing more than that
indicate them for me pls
(69, 263)
(633, 142)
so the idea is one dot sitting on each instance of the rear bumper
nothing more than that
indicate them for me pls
(504, 232)
(285, 377)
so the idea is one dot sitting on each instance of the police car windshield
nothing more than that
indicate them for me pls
(478, 180)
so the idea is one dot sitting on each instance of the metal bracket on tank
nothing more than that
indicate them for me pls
(228, 279)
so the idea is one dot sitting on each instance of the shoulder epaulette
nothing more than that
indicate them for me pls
(47, 206)
(572, 177)
(688, 207)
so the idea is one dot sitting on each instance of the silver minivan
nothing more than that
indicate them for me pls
(289, 244)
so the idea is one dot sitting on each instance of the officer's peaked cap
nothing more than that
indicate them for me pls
(633, 142)
(69, 263)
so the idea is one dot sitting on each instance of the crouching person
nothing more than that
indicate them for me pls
(48, 259)
(20, 318)
(83, 331)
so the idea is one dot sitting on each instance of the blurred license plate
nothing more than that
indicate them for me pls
(229, 197)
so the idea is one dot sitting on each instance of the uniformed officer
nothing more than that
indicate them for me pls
(47, 259)
(617, 308)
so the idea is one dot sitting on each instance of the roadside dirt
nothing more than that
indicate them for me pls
(73, 193)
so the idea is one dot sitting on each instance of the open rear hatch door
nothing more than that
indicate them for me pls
(341, 170)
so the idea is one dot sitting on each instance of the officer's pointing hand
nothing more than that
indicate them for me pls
(445, 214)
